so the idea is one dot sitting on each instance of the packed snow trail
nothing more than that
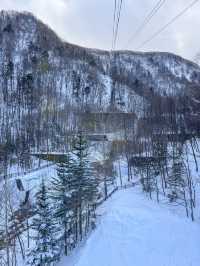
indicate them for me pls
(135, 231)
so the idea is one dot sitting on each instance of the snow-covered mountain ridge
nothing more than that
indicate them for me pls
(91, 77)
(46, 83)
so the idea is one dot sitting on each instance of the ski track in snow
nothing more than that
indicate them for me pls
(134, 231)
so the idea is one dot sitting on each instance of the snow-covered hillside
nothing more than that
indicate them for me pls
(139, 232)
(48, 82)
(104, 121)
(88, 76)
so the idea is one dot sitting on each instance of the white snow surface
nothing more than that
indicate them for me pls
(134, 231)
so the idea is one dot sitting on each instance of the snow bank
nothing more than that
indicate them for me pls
(136, 231)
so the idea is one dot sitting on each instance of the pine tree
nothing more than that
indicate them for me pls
(45, 251)
(62, 201)
(84, 185)
(74, 192)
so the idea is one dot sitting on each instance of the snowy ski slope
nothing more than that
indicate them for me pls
(135, 231)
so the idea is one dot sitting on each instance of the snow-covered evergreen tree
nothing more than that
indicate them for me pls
(74, 191)
(45, 251)
(62, 201)
(85, 184)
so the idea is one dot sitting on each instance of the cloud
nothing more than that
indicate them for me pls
(89, 23)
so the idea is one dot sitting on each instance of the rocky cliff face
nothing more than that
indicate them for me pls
(44, 78)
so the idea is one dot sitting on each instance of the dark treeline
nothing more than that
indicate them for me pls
(165, 151)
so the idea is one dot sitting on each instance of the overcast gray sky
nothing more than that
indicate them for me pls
(89, 23)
